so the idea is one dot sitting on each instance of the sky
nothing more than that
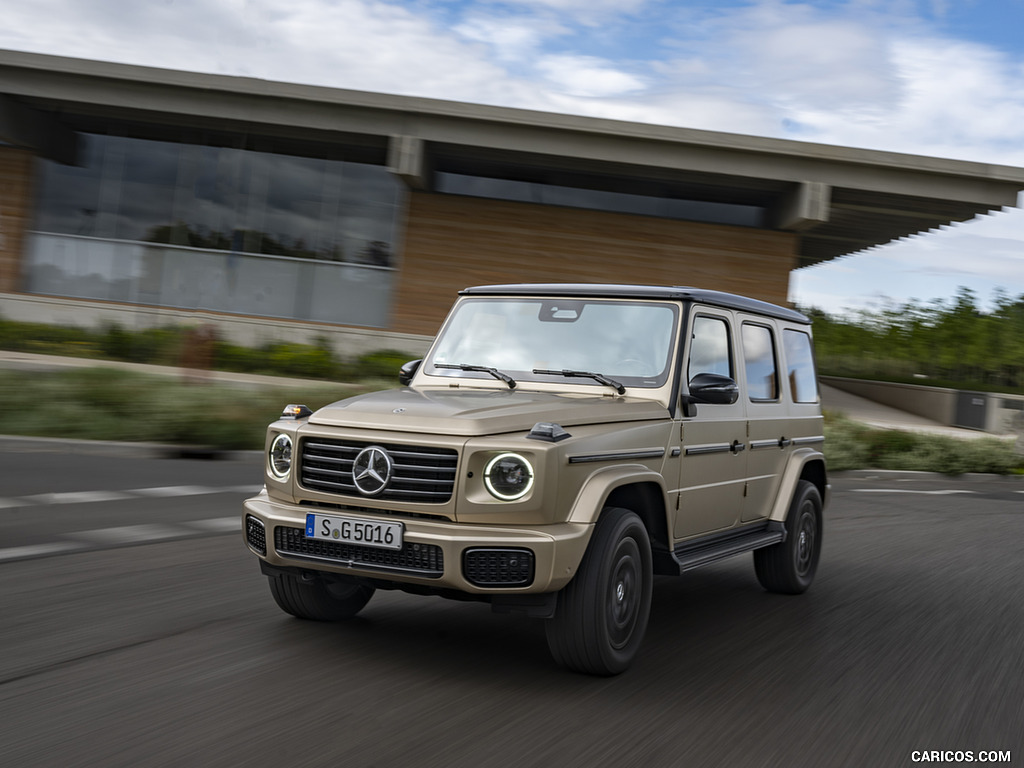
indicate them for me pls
(940, 78)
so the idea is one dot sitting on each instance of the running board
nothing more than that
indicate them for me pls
(692, 555)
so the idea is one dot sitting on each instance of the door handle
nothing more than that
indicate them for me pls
(737, 446)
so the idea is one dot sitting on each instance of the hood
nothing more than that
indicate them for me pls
(479, 412)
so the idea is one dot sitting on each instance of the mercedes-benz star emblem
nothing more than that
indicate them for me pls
(371, 471)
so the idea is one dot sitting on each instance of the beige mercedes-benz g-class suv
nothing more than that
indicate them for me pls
(557, 447)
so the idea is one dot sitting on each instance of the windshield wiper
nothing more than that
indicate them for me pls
(599, 377)
(483, 369)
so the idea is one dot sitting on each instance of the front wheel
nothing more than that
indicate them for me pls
(602, 613)
(317, 598)
(789, 567)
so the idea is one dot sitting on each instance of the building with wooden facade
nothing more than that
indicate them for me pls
(280, 211)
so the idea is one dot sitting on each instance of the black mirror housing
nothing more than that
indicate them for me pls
(713, 389)
(407, 371)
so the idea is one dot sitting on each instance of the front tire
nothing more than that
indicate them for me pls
(601, 615)
(789, 567)
(318, 599)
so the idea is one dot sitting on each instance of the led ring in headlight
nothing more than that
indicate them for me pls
(281, 456)
(508, 476)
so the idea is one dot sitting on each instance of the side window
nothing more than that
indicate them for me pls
(710, 348)
(759, 362)
(800, 366)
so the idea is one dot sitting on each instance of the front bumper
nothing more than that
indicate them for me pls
(435, 554)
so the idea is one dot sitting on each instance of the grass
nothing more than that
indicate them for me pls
(112, 404)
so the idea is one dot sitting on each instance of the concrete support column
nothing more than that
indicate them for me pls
(15, 210)
(407, 160)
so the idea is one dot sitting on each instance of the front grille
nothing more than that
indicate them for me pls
(498, 567)
(418, 559)
(256, 534)
(420, 474)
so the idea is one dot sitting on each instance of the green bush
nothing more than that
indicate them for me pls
(849, 445)
(380, 365)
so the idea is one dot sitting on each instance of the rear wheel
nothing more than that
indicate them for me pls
(318, 598)
(789, 567)
(602, 613)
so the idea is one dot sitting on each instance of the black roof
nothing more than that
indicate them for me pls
(618, 291)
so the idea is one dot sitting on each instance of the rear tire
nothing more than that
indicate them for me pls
(789, 567)
(601, 615)
(317, 598)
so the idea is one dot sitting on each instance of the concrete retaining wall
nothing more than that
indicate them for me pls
(1003, 414)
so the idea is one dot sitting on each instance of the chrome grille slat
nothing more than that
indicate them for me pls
(424, 475)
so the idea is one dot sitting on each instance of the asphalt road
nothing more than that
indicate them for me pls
(140, 649)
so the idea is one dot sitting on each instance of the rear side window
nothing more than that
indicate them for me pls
(759, 362)
(710, 349)
(800, 366)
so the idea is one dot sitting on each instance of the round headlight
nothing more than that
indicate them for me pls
(508, 476)
(281, 456)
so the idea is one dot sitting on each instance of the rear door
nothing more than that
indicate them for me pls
(769, 430)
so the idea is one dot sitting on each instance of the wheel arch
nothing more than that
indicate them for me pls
(635, 488)
(804, 464)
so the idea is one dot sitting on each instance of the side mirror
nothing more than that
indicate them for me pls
(407, 371)
(713, 389)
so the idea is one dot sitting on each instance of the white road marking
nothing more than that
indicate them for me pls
(246, 489)
(176, 490)
(127, 533)
(11, 503)
(35, 550)
(77, 497)
(216, 524)
(90, 497)
(946, 492)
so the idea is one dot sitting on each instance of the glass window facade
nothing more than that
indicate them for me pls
(222, 198)
(206, 226)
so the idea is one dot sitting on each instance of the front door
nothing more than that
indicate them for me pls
(714, 457)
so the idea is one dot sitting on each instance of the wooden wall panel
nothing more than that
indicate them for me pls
(15, 209)
(452, 242)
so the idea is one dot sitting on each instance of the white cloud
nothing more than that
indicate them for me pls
(513, 39)
(583, 11)
(587, 76)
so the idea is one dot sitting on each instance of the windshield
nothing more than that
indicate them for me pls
(630, 342)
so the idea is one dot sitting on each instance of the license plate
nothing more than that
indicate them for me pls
(354, 530)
